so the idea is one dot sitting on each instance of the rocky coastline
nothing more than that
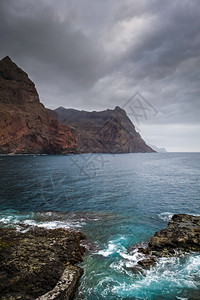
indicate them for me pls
(42, 264)
(39, 263)
(182, 235)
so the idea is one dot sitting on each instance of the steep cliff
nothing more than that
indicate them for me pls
(25, 124)
(109, 131)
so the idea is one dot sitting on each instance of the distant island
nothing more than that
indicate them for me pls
(27, 127)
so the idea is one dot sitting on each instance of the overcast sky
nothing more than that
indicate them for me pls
(96, 54)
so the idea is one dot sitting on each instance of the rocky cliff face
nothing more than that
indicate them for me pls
(109, 131)
(25, 124)
(27, 127)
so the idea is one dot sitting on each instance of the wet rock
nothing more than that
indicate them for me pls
(66, 285)
(181, 235)
(147, 263)
(32, 263)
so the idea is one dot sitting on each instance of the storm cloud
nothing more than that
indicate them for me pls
(94, 55)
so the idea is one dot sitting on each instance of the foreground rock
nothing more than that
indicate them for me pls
(25, 124)
(39, 264)
(181, 235)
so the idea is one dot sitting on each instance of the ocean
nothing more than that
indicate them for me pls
(117, 200)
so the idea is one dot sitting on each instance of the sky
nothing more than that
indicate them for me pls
(142, 55)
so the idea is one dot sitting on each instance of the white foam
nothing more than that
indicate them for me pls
(110, 250)
(20, 220)
(118, 266)
(114, 246)
(169, 272)
(13, 218)
(175, 273)
(133, 256)
(166, 216)
(53, 224)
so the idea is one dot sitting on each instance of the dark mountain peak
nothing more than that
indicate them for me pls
(15, 85)
(119, 110)
(10, 71)
(7, 64)
(7, 59)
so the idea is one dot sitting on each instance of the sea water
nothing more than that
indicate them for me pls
(119, 201)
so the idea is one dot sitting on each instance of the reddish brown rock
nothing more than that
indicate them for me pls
(25, 124)
(109, 131)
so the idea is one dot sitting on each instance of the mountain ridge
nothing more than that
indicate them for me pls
(108, 131)
(27, 127)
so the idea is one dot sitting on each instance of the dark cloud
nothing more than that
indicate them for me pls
(34, 33)
(96, 54)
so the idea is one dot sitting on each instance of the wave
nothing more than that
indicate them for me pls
(50, 219)
(169, 274)
(177, 275)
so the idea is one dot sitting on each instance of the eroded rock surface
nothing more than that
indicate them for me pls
(181, 235)
(25, 124)
(39, 261)
(108, 131)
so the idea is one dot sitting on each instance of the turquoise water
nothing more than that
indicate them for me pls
(118, 201)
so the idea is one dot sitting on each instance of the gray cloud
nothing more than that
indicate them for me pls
(96, 54)
(33, 33)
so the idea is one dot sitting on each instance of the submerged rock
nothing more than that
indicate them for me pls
(181, 235)
(39, 262)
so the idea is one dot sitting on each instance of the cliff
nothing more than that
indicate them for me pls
(109, 131)
(25, 124)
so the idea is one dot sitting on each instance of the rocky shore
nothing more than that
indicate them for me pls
(39, 264)
(181, 235)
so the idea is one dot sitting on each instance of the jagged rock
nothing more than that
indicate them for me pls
(182, 232)
(147, 263)
(65, 287)
(181, 235)
(109, 131)
(33, 263)
(25, 124)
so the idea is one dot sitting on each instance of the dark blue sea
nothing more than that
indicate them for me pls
(119, 201)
